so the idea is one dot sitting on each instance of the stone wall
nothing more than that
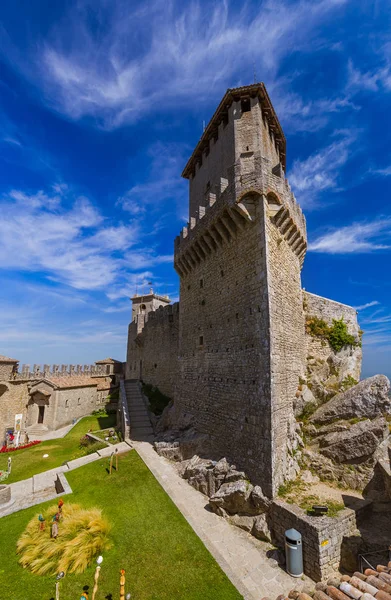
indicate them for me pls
(73, 403)
(288, 349)
(322, 536)
(14, 397)
(6, 370)
(326, 368)
(224, 354)
(207, 178)
(152, 354)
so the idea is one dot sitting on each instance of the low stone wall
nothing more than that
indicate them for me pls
(123, 420)
(5, 494)
(322, 536)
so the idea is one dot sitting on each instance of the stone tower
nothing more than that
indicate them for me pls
(241, 324)
(144, 307)
(143, 304)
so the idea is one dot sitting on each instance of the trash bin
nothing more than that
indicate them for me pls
(294, 553)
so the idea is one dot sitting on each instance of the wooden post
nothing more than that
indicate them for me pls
(97, 572)
(122, 585)
(111, 462)
(116, 459)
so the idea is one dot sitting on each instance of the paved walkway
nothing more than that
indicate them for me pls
(53, 435)
(41, 487)
(239, 554)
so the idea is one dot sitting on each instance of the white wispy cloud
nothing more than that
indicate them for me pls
(162, 183)
(367, 305)
(320, 172)
(66, 238)
(371, 80)
(356, 238)
(137, 59)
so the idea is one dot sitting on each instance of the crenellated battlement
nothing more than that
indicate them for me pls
(51, 371)
(227, 215)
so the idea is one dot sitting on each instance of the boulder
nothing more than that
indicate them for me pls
(232, 497)
(243, 521)
(304, 397)
(234, 475)
(369, 398)
(261, 528)
(181, 445)
(259, 500)
(358, 443)
(308, 477)
(195, 466)
(220, 471)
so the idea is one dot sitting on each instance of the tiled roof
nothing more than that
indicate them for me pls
(5, 359)
(107, 361)
(73, 382)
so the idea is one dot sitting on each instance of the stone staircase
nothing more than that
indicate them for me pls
(140, 424)
(36, 431)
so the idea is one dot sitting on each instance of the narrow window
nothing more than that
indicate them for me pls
(201, 283)
(201, 340)
(225, 119)
(246, 105)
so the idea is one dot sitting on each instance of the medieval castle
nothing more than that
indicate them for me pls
(233, 353)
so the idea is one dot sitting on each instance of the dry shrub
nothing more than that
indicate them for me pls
(82, 535)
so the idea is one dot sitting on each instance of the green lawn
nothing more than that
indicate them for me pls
(163, 558)
(29, 462)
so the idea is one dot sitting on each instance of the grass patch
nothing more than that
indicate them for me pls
(151, 540)
(333, 507)
(105, 433)
(29, 462)
(307, 412)
(348, 382)
(157, 400)
(296, 492)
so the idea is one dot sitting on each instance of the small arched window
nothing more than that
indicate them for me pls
(78, 401)
(66, 403)
(142, 308)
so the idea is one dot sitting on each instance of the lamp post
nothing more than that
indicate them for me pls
(99, 561)
(58, 577)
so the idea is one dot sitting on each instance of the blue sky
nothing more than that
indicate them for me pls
(101, 103)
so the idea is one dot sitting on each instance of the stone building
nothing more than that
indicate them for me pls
(233, 352)
(50, 398)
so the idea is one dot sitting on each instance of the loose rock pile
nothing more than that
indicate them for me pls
(230, 493)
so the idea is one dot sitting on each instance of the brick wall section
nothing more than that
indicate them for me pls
(5, 371)
(223, 375)
(288, 347)
(214, 166)
(157, 349)
(322, 536)
(13, 400)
